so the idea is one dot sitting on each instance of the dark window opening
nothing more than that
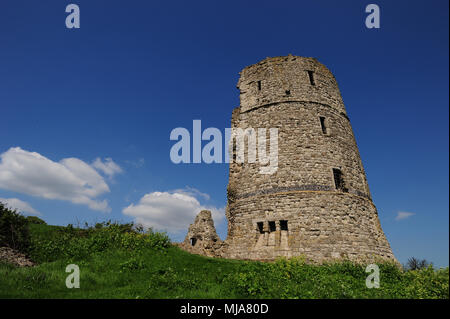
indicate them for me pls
(311, 77)
(259, 85)
(260, 227)
(283, 224)
(234, 152)
(322, 123)
(193, 241)
(288, 92)
(272, 226)
(338, 180)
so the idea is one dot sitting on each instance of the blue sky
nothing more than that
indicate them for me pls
(98, 104)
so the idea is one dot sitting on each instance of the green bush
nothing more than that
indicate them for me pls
(75, 243)
(294, 278)
(427, 283)
(35, 220)
(13, 229)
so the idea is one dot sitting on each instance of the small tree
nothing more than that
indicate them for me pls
(415, 263)
(13, 229)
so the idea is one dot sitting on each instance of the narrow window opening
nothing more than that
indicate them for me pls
(322, 123)
(283, 224)
(259, 85)
(260, 227)
(193, 241)
(338, 179)
(272, 226)
(288, 92)
(311, 77)
(234, 152)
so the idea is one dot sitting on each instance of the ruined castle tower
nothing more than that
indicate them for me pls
(317, 203)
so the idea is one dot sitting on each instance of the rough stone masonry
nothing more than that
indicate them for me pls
(317, 204)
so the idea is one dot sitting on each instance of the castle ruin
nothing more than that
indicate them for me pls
(317, 204)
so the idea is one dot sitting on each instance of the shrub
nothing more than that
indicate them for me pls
(76, 243)
(13, 229)
(293, 278)
(427, 283)
(415, 263)
(35, 220)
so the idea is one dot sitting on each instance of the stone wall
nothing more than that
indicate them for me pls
(202, 237)
(306, 155)
(320, 225)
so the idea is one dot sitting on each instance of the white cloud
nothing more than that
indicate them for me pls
(171, 211)
(70, 179)
(108, 167)
(403, 215)
(20, 206)
(192, 192)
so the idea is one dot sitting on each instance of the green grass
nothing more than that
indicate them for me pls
(115, 263)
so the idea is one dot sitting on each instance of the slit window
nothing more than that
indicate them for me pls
(259, 85)
(311, 77)
(322, 124)
(338, 180)
(283, 224)
(260, 226)
(272, 226)
(193, 241)
(288, 92)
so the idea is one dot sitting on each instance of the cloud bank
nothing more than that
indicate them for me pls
(170, 211)
(20, 206)
(70, 179)
(108, 167)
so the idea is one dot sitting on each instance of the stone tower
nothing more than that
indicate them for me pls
(317, 204)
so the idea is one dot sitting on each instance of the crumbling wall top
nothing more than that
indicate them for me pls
(202, 237)
(286, 79)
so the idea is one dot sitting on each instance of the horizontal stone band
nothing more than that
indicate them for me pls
(298, 188)
(297, 101)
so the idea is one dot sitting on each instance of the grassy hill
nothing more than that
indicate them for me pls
(117, 262)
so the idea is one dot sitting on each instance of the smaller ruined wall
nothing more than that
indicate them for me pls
(202, 236)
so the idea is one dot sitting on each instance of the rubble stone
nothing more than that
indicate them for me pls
(14, 257)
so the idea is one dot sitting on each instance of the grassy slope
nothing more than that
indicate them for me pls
(173, 273)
